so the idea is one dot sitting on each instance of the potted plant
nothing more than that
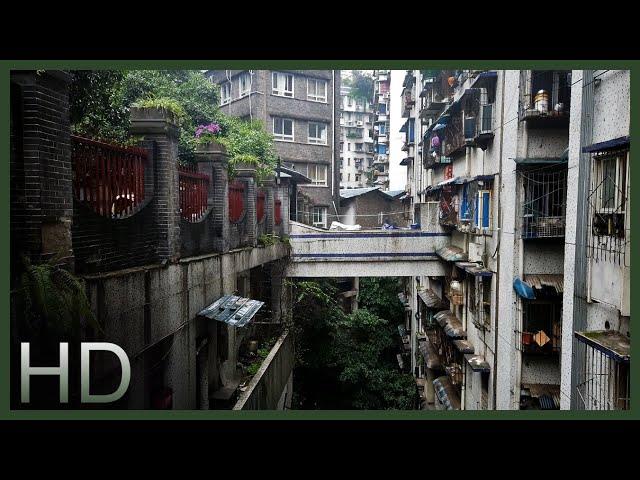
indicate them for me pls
(207, 138)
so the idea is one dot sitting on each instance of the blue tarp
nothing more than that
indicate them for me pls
(523, 289)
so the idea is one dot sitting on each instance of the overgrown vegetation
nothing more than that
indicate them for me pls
(52, 302)
(347, 361)
(361, 84)
(101, 103)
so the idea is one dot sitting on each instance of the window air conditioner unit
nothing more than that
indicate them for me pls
(359, 123)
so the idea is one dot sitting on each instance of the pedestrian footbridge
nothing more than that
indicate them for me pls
(364, 253)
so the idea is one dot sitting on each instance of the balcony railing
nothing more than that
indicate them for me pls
(544, 207)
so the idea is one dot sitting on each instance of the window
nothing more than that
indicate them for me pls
(245, 84)
(348, 147)
(358, 147)
(320, 217)
(348, 177)
(302, 168)
(482, 214)
(348, 162)
(225, 93)
(282, 84)
(316, 90)
(318, 133)
(341, 146)
(612, 177)
(318, 173)
(283, 129)
(357, 177)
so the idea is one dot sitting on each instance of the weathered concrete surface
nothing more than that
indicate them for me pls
(265, 390)
(141, 306)
(364, 253)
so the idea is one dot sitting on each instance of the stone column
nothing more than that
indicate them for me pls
(247, 173)
(269, 220)
(161, 126)
(213, 160)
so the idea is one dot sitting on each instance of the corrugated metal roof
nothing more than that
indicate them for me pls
(430, 298)
(356, 192)
(464, 346)
(429, 354)
(233, 310)
(452, 254)
(394, 193)
(548, 395)
(608, 145)
(446, 393)
(477, 363)
(451, 325)
(546, 280)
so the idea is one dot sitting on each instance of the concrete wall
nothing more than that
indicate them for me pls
(140, 307)
(271, 386)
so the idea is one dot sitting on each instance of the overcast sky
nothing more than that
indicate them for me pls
(397, 173)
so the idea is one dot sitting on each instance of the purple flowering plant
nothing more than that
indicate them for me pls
(207, 133)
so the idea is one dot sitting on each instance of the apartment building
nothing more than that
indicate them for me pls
(301, 109)
(356, 141)
(512, 324)
(381, 106)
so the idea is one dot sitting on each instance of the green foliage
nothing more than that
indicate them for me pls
(262, 353)
(353, 354)
(96, 105)
(101, 102)
(53, 300)
(362, 85)
(164, 103)
(267, 239)
(248, 142)
(379, 295)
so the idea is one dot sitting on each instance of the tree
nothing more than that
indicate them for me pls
(101, 102)
(361, 84)
(379, 295)
(348, 361)
(362, 348)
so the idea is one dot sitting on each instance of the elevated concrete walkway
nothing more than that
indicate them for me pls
(364, 253)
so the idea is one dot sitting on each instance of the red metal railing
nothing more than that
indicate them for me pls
(236, 200)
(194, 192)
(278, 211)
(260, 199)
(109, 178)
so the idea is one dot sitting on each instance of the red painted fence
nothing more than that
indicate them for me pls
(194, 192)
(260, 205)
(278, 211)
(236, 201)
(109, 178)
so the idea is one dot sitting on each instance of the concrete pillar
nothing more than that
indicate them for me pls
(41, 171)
(247, 173)
(269, 221)
(354, 299)
(213, 160)
(161, 126)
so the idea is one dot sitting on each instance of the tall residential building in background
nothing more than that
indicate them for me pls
(527, 174)
(381, 104)
(356, 141)
(300, 108)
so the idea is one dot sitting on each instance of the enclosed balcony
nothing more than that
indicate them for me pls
(544, 201)
(545, 97)
(603, 378)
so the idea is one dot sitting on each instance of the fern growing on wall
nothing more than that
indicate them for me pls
(52, 299)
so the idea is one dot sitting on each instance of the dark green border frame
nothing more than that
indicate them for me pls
(6, 413)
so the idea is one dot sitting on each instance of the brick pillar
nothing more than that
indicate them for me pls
(269, 221)
(212, 159)
(247, 174)
(161, 126)
(41, 198)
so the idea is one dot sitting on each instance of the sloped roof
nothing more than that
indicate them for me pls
(394, 193)
(356, 192)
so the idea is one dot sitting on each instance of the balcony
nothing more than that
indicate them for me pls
(408, 101)
(545, 98)
(603, 379)
(544, 206)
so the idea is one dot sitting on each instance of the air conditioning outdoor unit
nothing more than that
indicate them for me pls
(359, 123)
